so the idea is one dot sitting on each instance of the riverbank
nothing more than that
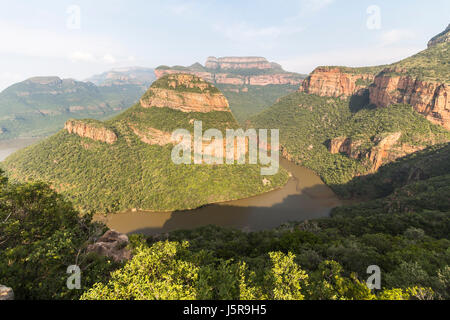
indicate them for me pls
(304, 197)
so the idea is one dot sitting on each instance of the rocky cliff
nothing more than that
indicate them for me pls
(91, 129)
(238, 71)
(383, 148)
(335, 82)
(421, 80)
(432, 99)
(184, 92)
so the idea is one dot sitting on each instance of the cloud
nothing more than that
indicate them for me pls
(309, 6)
(355, 57)
(79, 56)
(396, 36)
(181, 9)
(57, 44)
(243, 32)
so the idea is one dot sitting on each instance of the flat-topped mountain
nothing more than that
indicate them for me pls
(126, 163)
(39, 106)
(251, 84)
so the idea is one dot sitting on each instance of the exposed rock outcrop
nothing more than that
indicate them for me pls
(234, 63)
(112, 245)
(432, 99)
(238, 71)
(6, 293)
(185, 92)
(383, 151)
(334, 82)
(440, 38)
(153, 136)
(91, 129)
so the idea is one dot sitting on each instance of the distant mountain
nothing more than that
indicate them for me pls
(125, 162)
(251, 84)
(122, 76)
(39, 106)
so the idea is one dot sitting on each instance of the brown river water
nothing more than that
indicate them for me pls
(304, 197)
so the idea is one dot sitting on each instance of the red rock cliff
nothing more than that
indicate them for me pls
(333, 82)
(91, 131)
(432, 99)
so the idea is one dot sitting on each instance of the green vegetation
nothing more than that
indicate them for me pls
(244, 105)
(308, 122)
(40, 236)
(132, 174)
(37, 108)
(405, 233)
(170, 82)
(432, 64)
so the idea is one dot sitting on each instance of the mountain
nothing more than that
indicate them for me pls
(125, 162)
(251, 84)
(39, 106)
(442, 37)
(422, 81)
(346, 122)
(125, 76)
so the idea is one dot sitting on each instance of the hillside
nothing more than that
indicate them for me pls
(325, 135)
(39, 106)
(125, 162)
(421, 80)
(251, 84)
(347, 122)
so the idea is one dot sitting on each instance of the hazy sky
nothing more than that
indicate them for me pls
(50, 37)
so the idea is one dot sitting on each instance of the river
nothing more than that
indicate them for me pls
(304, 197)
(8, 147)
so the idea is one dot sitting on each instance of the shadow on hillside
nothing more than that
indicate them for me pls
(430, 162)
(312, 203)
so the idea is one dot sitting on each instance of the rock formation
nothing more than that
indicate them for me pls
(185, 92)
(383, 150)
(432, 99)
(335, 82)
(112, 245)
(238, 71)
(91, 129)
(6, 293)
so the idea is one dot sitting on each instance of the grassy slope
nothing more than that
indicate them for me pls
(258, 98)
(132, 174)
(20, 116)
(307, 122)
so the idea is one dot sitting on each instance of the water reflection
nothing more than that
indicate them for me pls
(304, 197)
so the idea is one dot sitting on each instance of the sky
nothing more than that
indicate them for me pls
(77, 39)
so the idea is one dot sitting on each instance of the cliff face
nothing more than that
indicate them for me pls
(92, 130)
(333, 82)
(432, 99)
(185, 92)
(236, 63)
(385, 149)
(239, 71)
